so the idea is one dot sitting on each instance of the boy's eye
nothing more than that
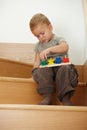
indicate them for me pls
(42, 33)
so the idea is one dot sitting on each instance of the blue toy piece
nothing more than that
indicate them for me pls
(58, 60)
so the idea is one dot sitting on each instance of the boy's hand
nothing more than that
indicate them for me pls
(43, 54)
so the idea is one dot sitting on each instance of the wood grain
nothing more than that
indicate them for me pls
(35, 117)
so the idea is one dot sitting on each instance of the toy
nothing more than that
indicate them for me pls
(58, 61)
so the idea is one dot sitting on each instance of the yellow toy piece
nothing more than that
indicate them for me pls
(51, 61)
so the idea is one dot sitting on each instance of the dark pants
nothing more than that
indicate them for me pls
(65, 77)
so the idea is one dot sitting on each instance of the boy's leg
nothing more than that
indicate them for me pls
(65, 86)
(44, 78)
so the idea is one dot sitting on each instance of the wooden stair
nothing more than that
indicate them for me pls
(35, 117)
(16, 69)
(18, 91)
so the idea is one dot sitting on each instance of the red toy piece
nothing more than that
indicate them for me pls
(66, 59)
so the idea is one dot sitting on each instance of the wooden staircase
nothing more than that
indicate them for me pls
(19, 109)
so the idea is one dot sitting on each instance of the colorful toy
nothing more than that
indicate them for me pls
(58, 61)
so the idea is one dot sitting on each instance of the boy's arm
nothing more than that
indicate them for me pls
(60, 48)
(36, 61)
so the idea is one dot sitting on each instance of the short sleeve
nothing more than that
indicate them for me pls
(60, 39)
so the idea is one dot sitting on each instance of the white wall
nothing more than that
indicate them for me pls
(66, 16)
(85, 17)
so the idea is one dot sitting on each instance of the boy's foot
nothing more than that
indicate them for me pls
(68, 103)
(47, 100)
(66, 99)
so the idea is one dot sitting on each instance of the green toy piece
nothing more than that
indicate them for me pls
(43, 63)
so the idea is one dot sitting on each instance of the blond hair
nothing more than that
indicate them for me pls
(38, 19)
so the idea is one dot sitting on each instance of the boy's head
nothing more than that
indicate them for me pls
(38, 19)
(41, 27)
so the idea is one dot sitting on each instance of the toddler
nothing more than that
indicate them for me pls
(51, 46)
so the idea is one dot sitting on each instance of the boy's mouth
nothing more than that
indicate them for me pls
(44, 41)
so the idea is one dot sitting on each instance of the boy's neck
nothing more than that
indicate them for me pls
(51, 37)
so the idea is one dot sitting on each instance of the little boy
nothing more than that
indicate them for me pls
(49, 45)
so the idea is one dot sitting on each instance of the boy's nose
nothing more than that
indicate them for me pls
(41, 36)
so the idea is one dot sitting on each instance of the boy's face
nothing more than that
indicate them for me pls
(43, 32)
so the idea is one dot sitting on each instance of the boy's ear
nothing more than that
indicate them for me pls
(50, 26)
